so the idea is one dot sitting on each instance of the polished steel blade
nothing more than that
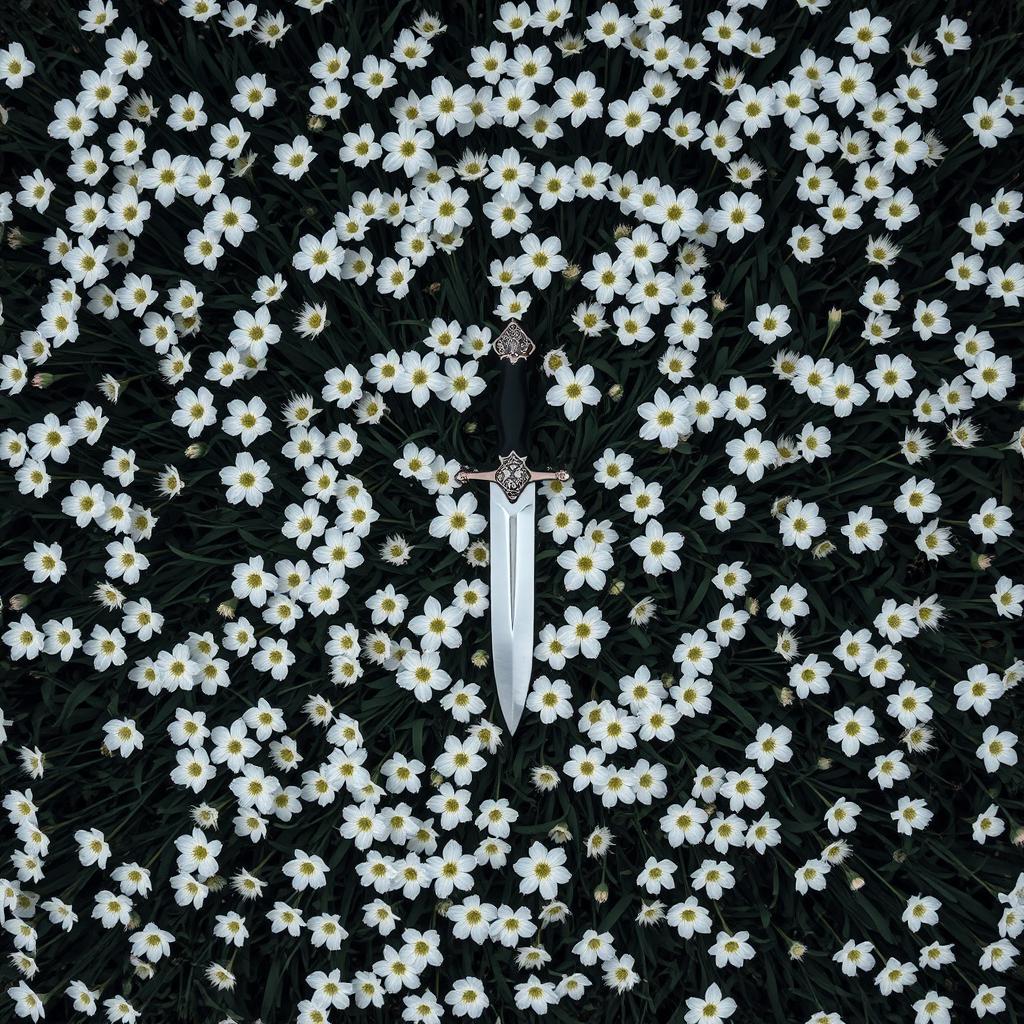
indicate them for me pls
(512, 599)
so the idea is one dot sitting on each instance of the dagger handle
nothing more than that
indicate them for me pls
(512, 415)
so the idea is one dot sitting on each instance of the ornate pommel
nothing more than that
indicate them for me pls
(513, 476)
(514, 344)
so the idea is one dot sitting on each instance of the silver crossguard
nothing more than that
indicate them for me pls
(512, 516)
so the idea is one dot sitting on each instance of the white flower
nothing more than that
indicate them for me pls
(306, 871)
(737, 215)
(721, 507)
(573, 390)
(854, 956)
(921, 910)
(988, 122)
(542, 871)
(15, 67)
(631, 119)
(247, 480)
(911, 815)
(457, 520)
(1008, 597)
(751, 455)
(800, 524)
(658, 549)
(711, 1008)
(852, 728)
(997, 748)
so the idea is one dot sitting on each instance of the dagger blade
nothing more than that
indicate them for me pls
(512, 556)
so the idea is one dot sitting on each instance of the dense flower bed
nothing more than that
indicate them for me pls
(253, 265)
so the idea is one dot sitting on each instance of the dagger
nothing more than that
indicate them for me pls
(512, 514)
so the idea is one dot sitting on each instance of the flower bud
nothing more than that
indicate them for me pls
(835, 318)
(18, 602)
(205, 815)
(480, 659)
(243, 165)
(42, 380)
(599, 842)
(856, 883)
(571, 272)
(226, 609)
(616, 587)
(111, 388)
(981, 562)
(195, 451)
(25, 964)
(555, 911)
(470, 427)
(824, 763)
(786, 645)
(570, 44)
(615, 392)
(216, 883)
(753, 606)
(442, 908)
(15, 238)
(622, 231)
(797, 951)
(436, 779)
(823, 549)
(188, 325)
(785, 696)
(779, 505)
(554, 361)
(1018, 837)
(718, 304)
(601, 893)
(434, 287)
(560, 833)
(315, 123)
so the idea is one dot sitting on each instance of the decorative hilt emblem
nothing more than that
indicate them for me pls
(513, 476)
(514, 344)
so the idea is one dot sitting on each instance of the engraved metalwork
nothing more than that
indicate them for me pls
(513, 476)
(514, 344)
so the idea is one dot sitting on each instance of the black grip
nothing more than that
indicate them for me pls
(512, 414)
